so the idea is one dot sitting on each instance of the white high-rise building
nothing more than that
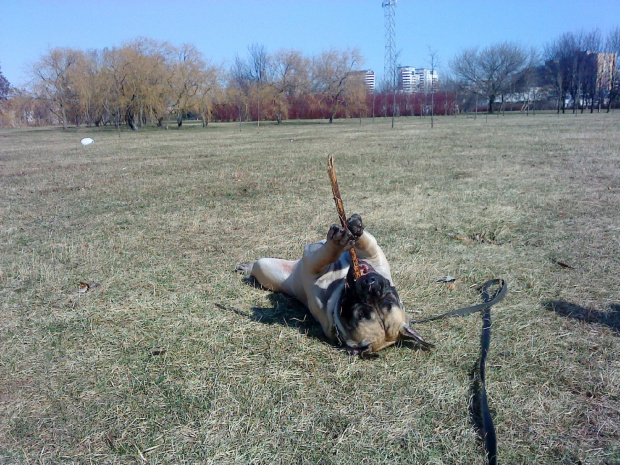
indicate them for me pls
(369, 80)
(412, 79)
(427, 78)
(407, 79)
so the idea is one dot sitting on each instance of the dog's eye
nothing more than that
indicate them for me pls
(388, 303)
(367, 313)
(364, 312)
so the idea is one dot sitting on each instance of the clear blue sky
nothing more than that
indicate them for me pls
(221, 29)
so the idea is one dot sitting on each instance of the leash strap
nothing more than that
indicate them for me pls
(479, 406)
(499, 296)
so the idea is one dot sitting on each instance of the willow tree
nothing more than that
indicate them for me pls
(331, 74)
(52, 83)
(290, 78)
(207, 92)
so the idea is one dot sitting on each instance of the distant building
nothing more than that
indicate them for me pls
(605, 67)
(407, 79)
(412, 79)
(427, 78)
(367, 77)
(369, 80)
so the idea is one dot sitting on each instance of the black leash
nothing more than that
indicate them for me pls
(497, 297)
(479, 407)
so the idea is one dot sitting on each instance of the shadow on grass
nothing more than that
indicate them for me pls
(610, 318)
(288, 311)
(284, 310)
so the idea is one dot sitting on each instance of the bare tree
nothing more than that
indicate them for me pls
(570, 64)
(491, 71)
(573, 69)
(4, 87)
(354, 94)
(258, 72)
(451, 89)
(434, 62)
(139, 77)
(239, 85)
(526, 83)
(140, 81)
(249, 78)
(589, 67)
(558, 68)
(83, 78)
(23, 108)
(467, 73)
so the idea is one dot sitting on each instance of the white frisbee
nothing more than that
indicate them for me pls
(87, 141)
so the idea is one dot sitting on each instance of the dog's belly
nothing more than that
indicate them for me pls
(321, 293)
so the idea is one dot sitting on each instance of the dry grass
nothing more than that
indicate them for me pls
(173, 358)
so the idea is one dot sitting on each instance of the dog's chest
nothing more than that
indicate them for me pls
(330, 282)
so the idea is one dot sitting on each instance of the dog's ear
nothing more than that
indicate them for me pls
(408, 333)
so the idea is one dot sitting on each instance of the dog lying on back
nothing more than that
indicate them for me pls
(366, 314)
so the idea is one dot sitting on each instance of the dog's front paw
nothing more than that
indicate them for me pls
(356, 226)
(340, 236)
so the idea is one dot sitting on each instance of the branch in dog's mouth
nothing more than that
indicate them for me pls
(365, 268)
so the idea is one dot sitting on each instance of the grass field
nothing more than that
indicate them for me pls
(170, 357)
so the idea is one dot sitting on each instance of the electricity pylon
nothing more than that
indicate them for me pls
(389, 65)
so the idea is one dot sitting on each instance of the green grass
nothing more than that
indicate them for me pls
(174, 358)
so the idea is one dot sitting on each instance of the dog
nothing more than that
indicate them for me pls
(365, 314)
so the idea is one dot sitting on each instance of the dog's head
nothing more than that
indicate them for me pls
(373, 316)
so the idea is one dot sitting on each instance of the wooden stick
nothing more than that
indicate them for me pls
(331, 171)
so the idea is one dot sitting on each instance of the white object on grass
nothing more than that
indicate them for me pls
(86, 141)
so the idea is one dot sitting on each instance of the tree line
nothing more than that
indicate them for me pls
(577, 70)
(150, 82)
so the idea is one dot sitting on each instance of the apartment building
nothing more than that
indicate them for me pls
(412, 79)
(369, 80)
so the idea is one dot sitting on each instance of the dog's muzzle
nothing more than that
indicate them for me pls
(371, 285)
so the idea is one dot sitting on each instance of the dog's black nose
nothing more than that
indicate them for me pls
(369, 284)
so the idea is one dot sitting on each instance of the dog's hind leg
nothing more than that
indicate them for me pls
(271, 273)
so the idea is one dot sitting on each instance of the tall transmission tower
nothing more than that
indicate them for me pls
(389, 65)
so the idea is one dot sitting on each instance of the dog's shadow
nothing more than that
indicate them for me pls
(283, 310)
(288, 311)
(609, 318)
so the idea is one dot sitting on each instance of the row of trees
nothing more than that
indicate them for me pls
(146, 81)
(139, 82)
(577, 73)
(578, 69)
(150, 82)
